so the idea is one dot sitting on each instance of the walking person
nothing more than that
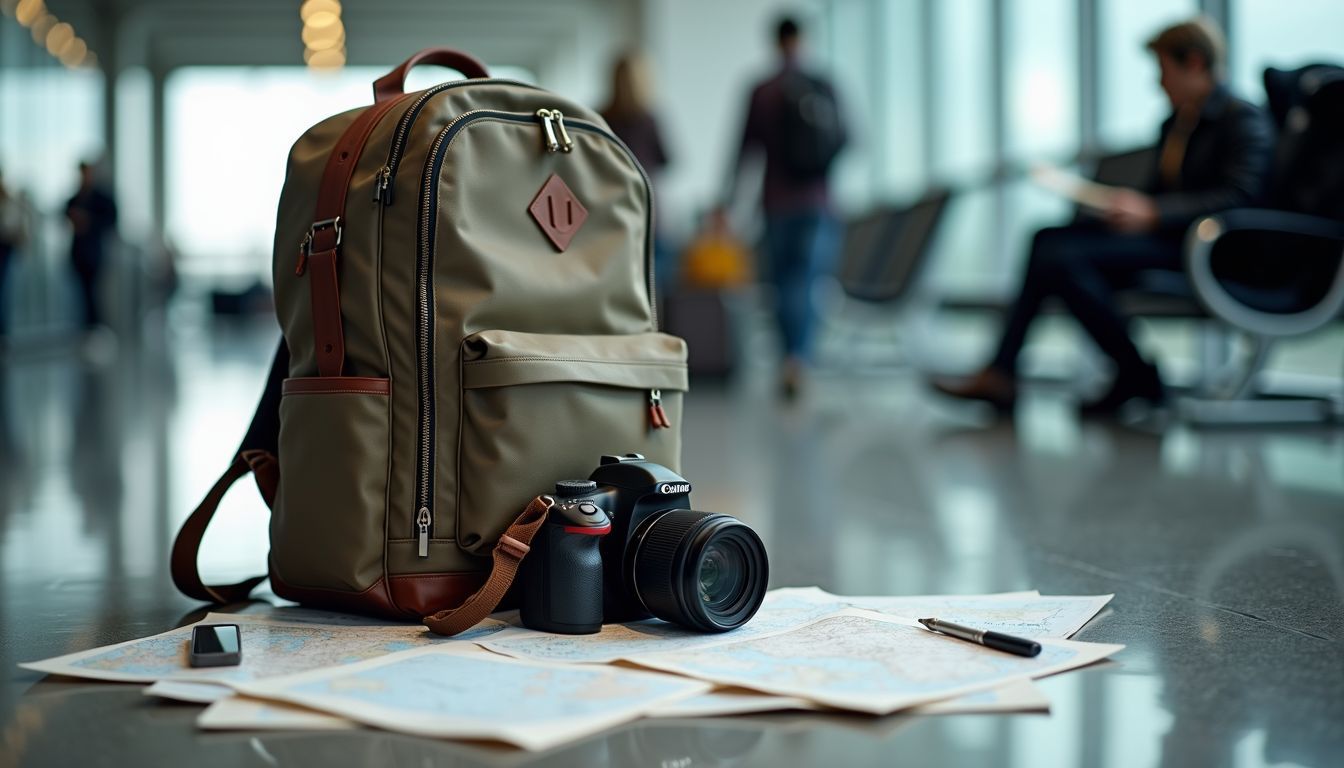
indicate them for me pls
(93, 216)
(629, 114)
(13, 236)
(794, 120)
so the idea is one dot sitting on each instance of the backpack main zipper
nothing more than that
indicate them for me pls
(553, 125)
(383, 184)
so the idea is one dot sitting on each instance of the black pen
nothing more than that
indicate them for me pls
(996, 640)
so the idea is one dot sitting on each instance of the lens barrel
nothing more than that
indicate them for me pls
(703, 570)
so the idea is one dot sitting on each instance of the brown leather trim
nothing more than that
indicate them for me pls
(507, 556)
(352, 385)
(183, 565)
(328, 333)
(324, 242)
(424, 593)
(393, 84)
(374, 601)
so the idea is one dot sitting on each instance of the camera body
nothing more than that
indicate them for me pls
(659, 557)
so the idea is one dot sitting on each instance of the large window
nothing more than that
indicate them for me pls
(51, 118)
(859, 92)
(1041, 48)
(229, 130)
(1130, 103)
(963, 89)
(900, 141)
(1265, 34)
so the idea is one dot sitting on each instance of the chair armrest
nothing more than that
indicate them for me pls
(1207, 232)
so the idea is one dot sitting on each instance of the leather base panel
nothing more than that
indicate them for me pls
(374, 601)
(404, 598)
(423, 594)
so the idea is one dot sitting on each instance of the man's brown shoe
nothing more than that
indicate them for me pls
(989, 385)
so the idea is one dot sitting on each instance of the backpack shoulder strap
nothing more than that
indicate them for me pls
(508, 554)
(257, 455)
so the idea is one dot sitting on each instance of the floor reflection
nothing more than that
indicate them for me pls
(1225, 550)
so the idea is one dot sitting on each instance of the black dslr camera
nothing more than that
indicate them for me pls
(625, 545)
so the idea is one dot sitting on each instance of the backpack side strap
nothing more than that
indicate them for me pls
(508, 554)
(256, 455)
(186, 547)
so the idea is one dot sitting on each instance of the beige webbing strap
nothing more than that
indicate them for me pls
(513, 546)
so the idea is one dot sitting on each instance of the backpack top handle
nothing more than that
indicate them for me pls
(393, 84)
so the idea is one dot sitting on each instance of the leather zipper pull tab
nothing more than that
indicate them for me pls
(303, 256)
(657, 416)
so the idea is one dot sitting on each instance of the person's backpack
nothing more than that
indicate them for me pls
(811, 126)
(463, 277)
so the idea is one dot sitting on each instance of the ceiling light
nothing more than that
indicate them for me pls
(41, 26)
(58, 36)
(321, 19)
(323, 37)
(326, 45)
(27, 11)
(332, 59)
(73, 54)
(319, 6)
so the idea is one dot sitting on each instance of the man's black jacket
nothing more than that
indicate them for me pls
(1226, 163)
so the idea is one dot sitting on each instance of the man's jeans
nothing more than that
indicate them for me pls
(799, 247)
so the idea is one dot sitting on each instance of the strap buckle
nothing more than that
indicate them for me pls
(318, 226)
(512, 546)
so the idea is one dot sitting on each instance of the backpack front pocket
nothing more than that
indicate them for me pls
(327, 529)
(537, 408)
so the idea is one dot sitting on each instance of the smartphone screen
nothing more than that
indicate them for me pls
(215, 645)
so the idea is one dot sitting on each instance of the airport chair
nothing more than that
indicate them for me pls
(1271, 274)
(882, 260)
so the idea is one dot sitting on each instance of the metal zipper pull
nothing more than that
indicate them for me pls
(657, 416)
(546, 116)
(422, 520)
(566, 143)
(382, 187)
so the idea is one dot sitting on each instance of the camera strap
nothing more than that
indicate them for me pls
(508, 554)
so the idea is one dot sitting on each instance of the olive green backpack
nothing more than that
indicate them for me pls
(463, 280)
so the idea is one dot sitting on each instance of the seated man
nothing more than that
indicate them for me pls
(1213, 154)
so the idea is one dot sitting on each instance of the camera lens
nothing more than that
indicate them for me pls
(703, 570)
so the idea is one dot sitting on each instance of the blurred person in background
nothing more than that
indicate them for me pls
(93, 216)
(13, 236)
(629, 113)
(1213, 153)
(793, 118)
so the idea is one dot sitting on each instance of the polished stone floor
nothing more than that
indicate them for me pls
(1225, 550)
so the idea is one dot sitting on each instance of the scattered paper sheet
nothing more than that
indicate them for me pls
(443, 692)
(292, 645)
(1057, 616)
(1016, 696)
(1074, 187)
(191, 693)
(242, 713)
(1020, 613)
(271, 647)
(868, 662)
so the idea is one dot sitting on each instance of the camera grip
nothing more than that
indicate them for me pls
(562, 582)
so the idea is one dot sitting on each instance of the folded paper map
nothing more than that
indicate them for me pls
(868, 662)
(443, 692)
(271, 647)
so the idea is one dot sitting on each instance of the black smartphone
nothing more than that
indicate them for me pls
(216, 645)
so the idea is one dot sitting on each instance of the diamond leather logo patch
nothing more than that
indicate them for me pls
(558, 212)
